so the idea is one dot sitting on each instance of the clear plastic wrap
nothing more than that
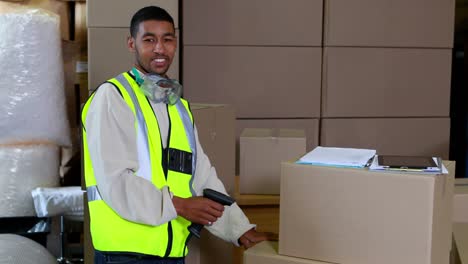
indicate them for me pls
(66, 201)
(32, 96)
(23, 168)
(15, 249)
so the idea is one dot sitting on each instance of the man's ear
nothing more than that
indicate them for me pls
(131, 44)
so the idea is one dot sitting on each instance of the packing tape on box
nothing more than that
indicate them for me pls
(15, 249)
(23, 168)
(32, 96)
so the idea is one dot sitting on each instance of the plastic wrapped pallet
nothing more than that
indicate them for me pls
(23, 168)
(16, 249)
(32, 100)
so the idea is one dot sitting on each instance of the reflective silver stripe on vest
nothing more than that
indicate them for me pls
(188, 127)
(144, 162)
(93, 193)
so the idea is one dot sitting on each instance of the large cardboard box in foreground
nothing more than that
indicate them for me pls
(267, 253)
(216, 126)
(261, 153)
(345, 215)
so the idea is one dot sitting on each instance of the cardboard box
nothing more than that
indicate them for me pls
(460, 237)
(343, 215)
(214, 250)
(81, 26)
(261, 153)
(391, 136)
(253, 22)
(107, 61)
(386, 82)
(310, 126)
(460, 201)
(267, 253)
(389, 23)
(117, 14)
(209, 250)
(216, 132)
(253, 79)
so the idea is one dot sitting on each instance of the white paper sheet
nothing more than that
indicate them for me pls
(338, 157)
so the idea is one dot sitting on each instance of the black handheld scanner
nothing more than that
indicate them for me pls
(213, 195)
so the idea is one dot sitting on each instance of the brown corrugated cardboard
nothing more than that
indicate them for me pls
(358, 216)
(260, 82)
(209, 250)
(216, 131)
(460, 235)
(111, 13)
(253, 22)
(459, 254)
(81, 28)
(386, 82)
(310, 126)
(261, 153)
(267, 253)
(106, 61)
(460, 201)
(391, 136)
(389, 23)
(213, 250)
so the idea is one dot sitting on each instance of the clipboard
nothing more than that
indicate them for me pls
(407, 162)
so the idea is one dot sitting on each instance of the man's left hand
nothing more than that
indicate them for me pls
(250, 238)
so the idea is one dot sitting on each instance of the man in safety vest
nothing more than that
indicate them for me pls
(145, 170)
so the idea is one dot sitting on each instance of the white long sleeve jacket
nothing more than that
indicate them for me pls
(111, 141)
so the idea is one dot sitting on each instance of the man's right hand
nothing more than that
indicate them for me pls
(198, 209)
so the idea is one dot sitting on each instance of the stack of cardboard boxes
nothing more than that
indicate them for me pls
(386, 75)
(262, 57)
(379, 78)
(364, 74)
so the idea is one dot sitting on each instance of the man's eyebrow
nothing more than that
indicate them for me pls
(149, 34)
(169, 34)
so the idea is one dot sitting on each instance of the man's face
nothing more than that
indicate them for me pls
(155, 45)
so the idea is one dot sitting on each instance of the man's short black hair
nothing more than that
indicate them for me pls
(148, 13)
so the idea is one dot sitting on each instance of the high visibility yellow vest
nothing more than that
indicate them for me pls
(109, 231)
